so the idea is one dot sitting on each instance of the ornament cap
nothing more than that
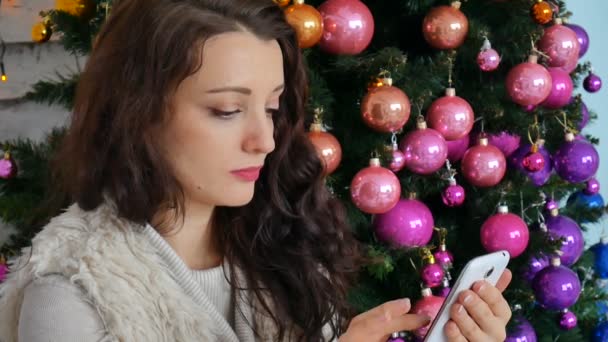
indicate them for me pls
(486, 45)
(558, 21)
(445, 282)
(452, 181)
(456, 4)
(604, 240)
(554, 212)
(421, 124)
(483, 141)
(556, 261)
(315, 127)
(387, 81)
(533, 59)
(569, 136)
(374, 162)
(503, 209)
(540, 142)
(426, 292)
(543, 227)
(450, 92)
(443, 247)
(412, 195)
(7, 155)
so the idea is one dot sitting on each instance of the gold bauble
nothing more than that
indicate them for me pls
(307, 22)
(80, 8)
(41, 32)
(542, 12)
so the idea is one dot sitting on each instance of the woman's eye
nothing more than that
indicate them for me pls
(223, 114)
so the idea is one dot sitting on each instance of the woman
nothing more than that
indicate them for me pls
(200, 212)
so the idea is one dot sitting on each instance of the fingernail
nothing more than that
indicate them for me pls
(405, 302)
(460, 309)
(479, 286)
(467, 298)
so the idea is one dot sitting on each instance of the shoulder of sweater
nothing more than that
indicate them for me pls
(56, 309)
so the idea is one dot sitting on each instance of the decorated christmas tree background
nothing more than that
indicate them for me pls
(448, 130)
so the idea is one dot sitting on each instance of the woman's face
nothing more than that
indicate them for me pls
(222, 119)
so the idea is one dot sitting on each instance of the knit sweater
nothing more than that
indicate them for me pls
(127, 274)
(56, 310)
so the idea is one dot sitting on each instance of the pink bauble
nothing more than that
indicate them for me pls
(483, 165)
(561, 44)
(397, 159)
(528, 83)
(375, 190)
(488, 60)
(561, 89)
(505, 231)
(348, 26)
(457, 148)
(453, 195)
(425, 150)
(569, 67)
(408, 224)
(533, 162)
(432, 275)
(428, 305)
(451, 115)
(4, 270)
(506, 142)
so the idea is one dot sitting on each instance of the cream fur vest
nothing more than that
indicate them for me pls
(121, 274)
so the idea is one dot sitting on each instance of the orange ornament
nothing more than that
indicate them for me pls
(306, 21)
(542, 12)
(445, 27)
(327, 146)
(282, 3)
(385, 108)
(79, 8)
(41, 32)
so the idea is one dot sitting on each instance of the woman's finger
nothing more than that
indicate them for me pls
(468, 328)
(494, 300)
(406, 322)
(453, 333)
(479, 311)
(504, 280)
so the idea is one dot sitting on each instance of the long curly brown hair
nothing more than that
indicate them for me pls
(291, 242)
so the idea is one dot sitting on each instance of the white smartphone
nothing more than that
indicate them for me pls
(487, 267)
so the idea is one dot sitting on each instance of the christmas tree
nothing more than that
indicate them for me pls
(449, 130)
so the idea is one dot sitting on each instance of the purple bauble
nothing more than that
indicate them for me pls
(561, 89)
(534, 266)
(533, 162)
(564, 227)
(443, 257)
(522, 331)
(453, 195)
(576, 161)
(409, 224)
(592, 83)
(567, 320)
(556, 287)
(432, 275)
(457, 148)
(581, 36)
(444, 292)
(584, 116)
(592, 187)
(538, 178)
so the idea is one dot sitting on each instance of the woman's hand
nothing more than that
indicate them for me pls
(377, 324)
(480, 315)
